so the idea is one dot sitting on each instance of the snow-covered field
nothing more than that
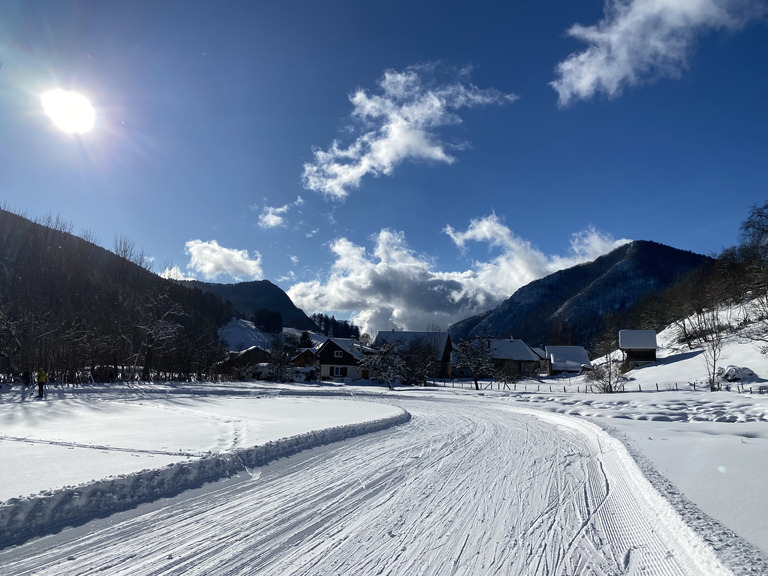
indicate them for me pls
(526, 481)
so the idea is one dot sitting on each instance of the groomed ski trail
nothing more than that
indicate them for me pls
(466, 488)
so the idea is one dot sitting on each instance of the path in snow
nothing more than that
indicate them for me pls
(465, 488)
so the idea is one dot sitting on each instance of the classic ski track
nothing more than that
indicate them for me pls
(103, 448)
(462, 489)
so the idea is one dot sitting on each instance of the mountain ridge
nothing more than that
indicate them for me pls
(576, 299)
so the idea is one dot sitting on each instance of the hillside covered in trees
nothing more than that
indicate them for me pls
(80, 311)
(259, 298)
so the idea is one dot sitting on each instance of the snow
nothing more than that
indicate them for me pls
(239, 334)
(568, 358)
(544, 478)
(513, 350)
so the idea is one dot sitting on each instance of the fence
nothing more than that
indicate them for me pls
(590, 389)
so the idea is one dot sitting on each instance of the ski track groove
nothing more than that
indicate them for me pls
(463, 489)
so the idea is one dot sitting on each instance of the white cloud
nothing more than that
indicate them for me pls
(394, 287)
(643, 39)
(212, 260)
(274, 216)
(399, 124)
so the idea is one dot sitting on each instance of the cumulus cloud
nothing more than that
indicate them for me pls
(212, 260)
(393, 286)
(274, 216)
(641, 40)
(401, 123)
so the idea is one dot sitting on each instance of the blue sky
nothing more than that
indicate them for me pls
(402, 164)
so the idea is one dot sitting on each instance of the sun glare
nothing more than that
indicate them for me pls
(69, 111)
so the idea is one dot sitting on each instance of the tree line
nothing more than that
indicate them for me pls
(84, 313)
(330, 326)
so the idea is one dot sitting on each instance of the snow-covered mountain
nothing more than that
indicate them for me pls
(577, 298)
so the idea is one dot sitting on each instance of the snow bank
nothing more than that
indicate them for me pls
(21, 519)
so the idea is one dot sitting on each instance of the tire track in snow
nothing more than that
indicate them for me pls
(464, 488)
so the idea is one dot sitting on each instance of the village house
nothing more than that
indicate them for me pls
(514, 358)
(244, 364)
(638, 346)
(304, 358)
(440, 341)
(340, 358)
(562, 359)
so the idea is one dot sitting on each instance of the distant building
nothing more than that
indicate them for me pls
(240, 365)
(562, 359)
(638, 346)
(305, 357)
(514, 358)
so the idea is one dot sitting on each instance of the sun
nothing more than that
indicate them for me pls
(70, 112)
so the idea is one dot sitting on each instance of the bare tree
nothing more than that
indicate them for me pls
(158, 327)
(281, 352)
(753, 235)
(386, 363)
(712, 324)
(421, 359)
(475, 355)
(606, 376)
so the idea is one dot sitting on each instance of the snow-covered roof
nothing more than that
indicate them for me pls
(351, 345)
(637, 339)
(513, 350)
(568, 358)
(406, 337)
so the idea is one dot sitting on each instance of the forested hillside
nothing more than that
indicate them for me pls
(248, 298)
(81, 311)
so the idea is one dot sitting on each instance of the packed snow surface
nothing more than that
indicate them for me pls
(540, 478)
(91, 434)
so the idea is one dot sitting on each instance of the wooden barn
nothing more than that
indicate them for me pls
(638, 346)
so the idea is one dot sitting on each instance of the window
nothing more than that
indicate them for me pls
(339, 371)
(338, 353)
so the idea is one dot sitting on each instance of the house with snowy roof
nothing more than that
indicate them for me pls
(562, 359)
(514, 358)
(243, 364)
(440, 342)
(638, 346)
(305, 357)
(340, 358)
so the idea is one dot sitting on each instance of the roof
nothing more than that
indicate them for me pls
(302, 351)
(637, 339)
(513, 350)
(350, 345)
(568, 358)
(405, 338)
